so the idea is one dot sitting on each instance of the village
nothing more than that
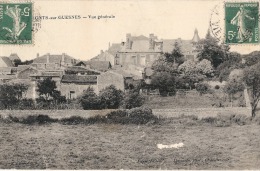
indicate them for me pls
(120, 63)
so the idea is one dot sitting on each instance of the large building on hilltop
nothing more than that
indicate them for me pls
(142, 51)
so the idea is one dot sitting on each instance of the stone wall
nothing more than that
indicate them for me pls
(72, 90)
(108, 78)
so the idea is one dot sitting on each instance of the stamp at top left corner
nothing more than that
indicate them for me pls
(16, 23)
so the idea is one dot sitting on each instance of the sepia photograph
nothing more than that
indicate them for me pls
(129, 85)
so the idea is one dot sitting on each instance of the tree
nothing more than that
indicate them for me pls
(162, 65)
(17, 62)
(234, 61)
(20, 89)
(10, 94)
(204, 67)
(202, 88)
(90, 100)
(163, 81)
(252, 80)
(188, 67)
(133, 99)
(169, 62)
(209, 49)
(176, 55)
(111, 97)
(46, 87)
(232, 87)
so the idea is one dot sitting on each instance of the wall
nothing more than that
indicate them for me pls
(108, 78)
(144, 59)
(66, 88)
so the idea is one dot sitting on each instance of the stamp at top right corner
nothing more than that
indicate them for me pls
(242, 22)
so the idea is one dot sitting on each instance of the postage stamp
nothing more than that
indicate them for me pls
(242, 22)
(16, 23)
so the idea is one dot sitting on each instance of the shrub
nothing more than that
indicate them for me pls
(119, 116)
(217, 87)
(89, 100)
(202, 88)
(141, 115)
(111, 97)
(133, 99)
(132, 116)
(32, 119)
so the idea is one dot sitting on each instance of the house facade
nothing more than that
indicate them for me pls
(140, 50)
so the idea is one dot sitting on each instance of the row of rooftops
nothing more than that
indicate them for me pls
(151, 44)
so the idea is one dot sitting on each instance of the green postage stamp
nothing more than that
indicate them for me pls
(16, 23)
(242, 22)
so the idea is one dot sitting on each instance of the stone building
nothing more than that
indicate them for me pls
(73, 86)
(140, 50)
(53, 62)
(110, 78)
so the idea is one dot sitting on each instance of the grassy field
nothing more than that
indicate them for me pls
(101, 146)
(195, 101)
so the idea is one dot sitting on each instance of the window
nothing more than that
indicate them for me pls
(72, 95)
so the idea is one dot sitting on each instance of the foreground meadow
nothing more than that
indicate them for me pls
(115, 146)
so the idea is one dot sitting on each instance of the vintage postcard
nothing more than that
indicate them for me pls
(125, 84)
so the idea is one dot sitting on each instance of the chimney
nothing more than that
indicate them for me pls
(101, 51)
(151, 41)
(109, 45)
(48, 58)
(38, 55)
(128, 42)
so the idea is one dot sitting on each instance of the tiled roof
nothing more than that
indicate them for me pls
(81, 69)
(6, 69)
(5, 62)
(140, 44)
(168, 45)
(141, 37)
(7, 77)
(47, 74)
(79, 79)
(114, 48)
(99, 65)
(54, 59)
(22, 67)
(102, 56)
(14, 56)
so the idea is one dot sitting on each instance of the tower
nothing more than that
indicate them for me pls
(196, 37)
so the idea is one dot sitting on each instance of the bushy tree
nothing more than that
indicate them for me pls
(89, 100)
(204, 67)
(163, 81)
(252, 81)
(133, 99)
(188, 67)
(210, 49)
(234, 61)
(11, 94)
(232, 87)
(46, 87)
(162, 65)
(202, 88)
(176, 56)
(111, 97)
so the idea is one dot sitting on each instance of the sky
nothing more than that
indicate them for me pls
(84, 38)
